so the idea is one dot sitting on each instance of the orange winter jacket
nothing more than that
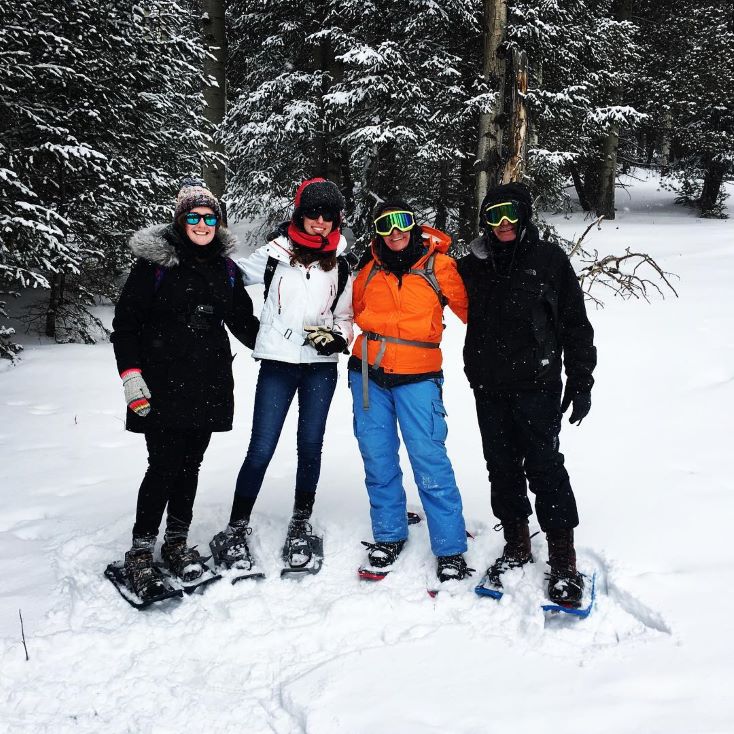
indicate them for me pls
(412, 312)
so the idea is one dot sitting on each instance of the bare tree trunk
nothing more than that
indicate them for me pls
(55, 299)
(608, 173)
(536, 75)
(580, 188)
(712, 181)
(665, 142)
(516, 165)
(489, 149)
(215, 91)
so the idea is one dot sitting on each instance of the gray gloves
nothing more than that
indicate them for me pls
(324, 340)
(136, 392)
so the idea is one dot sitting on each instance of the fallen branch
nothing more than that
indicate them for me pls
(22, 633)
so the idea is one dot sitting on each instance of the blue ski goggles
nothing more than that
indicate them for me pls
(211, 220)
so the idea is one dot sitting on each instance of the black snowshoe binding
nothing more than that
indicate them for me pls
(515, 554)
(380, 559)
(452, 568)
(565, 583)
(231, 552)
(303, 552)
(138, 580)
(183, 562)
(185, 567)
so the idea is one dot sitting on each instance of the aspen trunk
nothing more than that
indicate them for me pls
(489, 149)
(608, 173)
(215, 91)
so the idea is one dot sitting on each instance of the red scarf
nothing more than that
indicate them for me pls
(314, 241)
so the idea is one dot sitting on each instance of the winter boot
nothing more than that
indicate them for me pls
(144, 578)
(229, 548)
(183, 562)
(383, 553)
(516, 552)
(452, 568)
(565, 583)
(297, 552)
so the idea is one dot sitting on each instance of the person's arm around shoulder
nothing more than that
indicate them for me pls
(344, 313)
(253, 266)
(452, 286)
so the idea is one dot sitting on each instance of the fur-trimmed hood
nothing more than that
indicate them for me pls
(156, 244)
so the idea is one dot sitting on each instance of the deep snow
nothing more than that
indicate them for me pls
(650, 466)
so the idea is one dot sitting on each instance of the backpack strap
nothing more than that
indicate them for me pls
(341, 280)
(231, 271)
(428, 273)
(160, 272)
(270, 267)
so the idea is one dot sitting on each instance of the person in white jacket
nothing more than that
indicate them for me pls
(306, 321)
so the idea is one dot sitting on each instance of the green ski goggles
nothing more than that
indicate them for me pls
(404, 221)
(495, 214)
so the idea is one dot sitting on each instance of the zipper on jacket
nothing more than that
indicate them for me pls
(280, 282)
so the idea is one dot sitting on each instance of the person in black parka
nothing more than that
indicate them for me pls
(526, 316)
(174, 357)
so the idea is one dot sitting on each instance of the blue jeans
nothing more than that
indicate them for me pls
(419, 410)
(277, 383)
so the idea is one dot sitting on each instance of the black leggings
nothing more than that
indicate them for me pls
(174, 459)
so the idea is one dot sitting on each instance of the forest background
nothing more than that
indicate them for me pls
(105, 106)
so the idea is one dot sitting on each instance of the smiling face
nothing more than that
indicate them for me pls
(506, 232)
(317, 226)
(396, 240)
(200, 233)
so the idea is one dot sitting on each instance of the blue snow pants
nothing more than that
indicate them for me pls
(419, 410)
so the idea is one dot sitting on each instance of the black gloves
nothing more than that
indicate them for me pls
(581, 405)
(325, 341)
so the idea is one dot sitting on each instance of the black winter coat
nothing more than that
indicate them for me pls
(169, 322)
(524, 313)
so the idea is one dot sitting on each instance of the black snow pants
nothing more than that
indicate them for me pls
(174, 459)
(520, 440)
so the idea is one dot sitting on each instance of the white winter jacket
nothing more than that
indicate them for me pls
(298, 296)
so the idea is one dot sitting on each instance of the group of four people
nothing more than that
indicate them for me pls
(524, 311)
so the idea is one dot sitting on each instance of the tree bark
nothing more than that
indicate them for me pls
(580, 188)
(608, 173)
(55, 299)
(712, 181)
(489, 149)
(215, 90)
(519, 128)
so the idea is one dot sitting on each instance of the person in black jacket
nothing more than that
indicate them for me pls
(174, 358)
(526, 316)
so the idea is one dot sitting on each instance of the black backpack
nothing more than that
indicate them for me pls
(341, 281)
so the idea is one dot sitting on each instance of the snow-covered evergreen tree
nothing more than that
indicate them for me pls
(687, 85)
(101, 117)
(581, 60)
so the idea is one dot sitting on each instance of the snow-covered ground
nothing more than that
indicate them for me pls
(651, 468)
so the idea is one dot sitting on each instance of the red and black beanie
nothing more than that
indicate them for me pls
(317, 193)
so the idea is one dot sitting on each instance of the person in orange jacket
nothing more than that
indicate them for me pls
(395, 377)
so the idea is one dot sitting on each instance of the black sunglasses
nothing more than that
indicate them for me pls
(314, 212)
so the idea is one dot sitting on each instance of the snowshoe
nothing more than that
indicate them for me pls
(185, 567)
(452, 568)
(581, 605)
(230, 552)
(138, 581)
(381, 557)
(303, 552)
(565, 587)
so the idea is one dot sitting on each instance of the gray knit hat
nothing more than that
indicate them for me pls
(193, 192)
